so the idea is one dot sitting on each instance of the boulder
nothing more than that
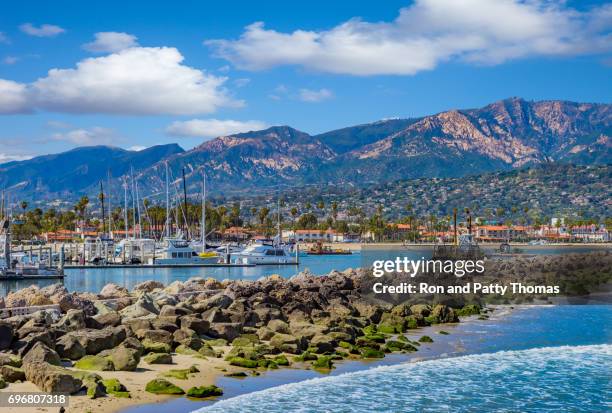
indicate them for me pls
(144, 306)
(97, 363)
(216, 315)
(70, 347)
(170, 310)
(158, 358)
(133, 343)
(52, 379)
(323, 343)
(6, 335)
(94, 341)
(159, 336)
(148, 286)
(174, 288)
(286, 343)
(279, 326)
(136, 324)
(73, 320)
(9, 360)
(41, 353)
(124, 358)
(162, 386)
(227, 331)
(183, 334)
(422, 310)
(113, 291)
(108, 319)
(219, 300)
(196, 324)
(12, 374)
(167, 323)
(22, 346)
(442, 314)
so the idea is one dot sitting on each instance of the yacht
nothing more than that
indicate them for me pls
(179, 252)
(265, 252)
(135, 250)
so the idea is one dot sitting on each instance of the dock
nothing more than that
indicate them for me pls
(107, 266)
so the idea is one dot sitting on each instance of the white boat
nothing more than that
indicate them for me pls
(135, 250)
(179, 252)
(265, 252)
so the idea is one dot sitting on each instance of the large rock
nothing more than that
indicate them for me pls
(6, 335)
(97, 363)
(52, 379)
(216, 301)
(70, 347)
(158, 336)
(22, 346)
(286, 343)
(227, 331)
(168, 323)
(279, 326)
(148, 286)
(94, 341)
(114, 291)
(196, 324)
(443, 314)
(143, 307)
(108, 319)
(136, 324)
(323, 343)
(27, 297)
(41, 353)
(73, 320)
(171, 310)
(124, 358)
(12, 374)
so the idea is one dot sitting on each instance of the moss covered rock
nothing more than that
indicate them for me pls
(243, 362)
(115, 388)
(204, 391)
(158, 358)
(370, 353)
(94, 363)
(3, 383)
(12, 374)
(181, 374)
(426, 339)
(162, 386)
(470, 309)
(150, 346)
(323, 363)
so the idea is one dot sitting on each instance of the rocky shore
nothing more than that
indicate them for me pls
(96, 346)
(122, 347)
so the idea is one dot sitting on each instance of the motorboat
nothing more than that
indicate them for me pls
(135, 250)
(265, 252)
(179, 252)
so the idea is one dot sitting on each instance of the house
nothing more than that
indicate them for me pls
(591, 233)
(313, 235)
(497, 233)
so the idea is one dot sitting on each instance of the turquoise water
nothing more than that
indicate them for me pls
(538, 380)
(534, 359)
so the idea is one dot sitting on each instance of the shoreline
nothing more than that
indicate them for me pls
(272, 378)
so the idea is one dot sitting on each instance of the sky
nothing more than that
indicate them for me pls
(137, 74)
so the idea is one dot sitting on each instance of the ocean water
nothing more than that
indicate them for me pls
(538, 359)
(544, 379)
(93, 279)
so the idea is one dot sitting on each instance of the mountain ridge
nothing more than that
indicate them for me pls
(503, 135)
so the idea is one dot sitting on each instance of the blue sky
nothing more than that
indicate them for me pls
(135, 74)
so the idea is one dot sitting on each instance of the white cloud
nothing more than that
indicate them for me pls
(13, 97)
(84, 137)
(10, 60)
(7, 157)
(242, 82)
(211, 128)
(313, 96)
(45, 30)
(4, 39)
(137, 148)
(138, 81)
(111, 42)
(426, 34)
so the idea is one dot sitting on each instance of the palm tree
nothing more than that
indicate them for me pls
(24, 206)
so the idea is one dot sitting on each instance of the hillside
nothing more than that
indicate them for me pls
(504, 135)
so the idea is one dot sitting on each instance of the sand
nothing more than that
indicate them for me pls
(135, 382)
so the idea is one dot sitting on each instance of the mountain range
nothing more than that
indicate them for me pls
(504, 135)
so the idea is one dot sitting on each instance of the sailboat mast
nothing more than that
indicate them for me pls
(125, 208)
(203, 226)
(102, 204)
(186, 223)
(138, 209)
(110, 215)
(133, 202)
(278, 220)
(167, 202)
